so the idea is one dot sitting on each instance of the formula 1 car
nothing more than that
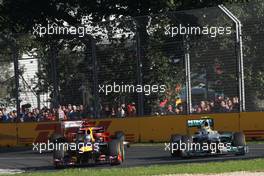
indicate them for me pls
(207, 141)
(82, 143)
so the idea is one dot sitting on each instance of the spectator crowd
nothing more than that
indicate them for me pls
(220, 105)
(72, 112)
(69, 112)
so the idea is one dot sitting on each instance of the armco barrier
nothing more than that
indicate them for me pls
(252, 124)
(35, 132)
(160, 128)
(138, 129)
(8, 134)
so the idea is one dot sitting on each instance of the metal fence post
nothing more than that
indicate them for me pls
(95, 78)
(188, 76)
(53, 57)
(140, 107)
(239, 45)
(15, 55)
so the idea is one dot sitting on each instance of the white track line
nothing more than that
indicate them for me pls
(10, 171)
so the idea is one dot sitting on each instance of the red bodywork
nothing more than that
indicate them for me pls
(70, 129)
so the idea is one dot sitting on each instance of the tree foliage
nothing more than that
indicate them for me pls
(74, 67)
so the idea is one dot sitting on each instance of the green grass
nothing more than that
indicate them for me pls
(210, 167)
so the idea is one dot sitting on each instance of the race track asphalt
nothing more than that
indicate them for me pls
(28, 160)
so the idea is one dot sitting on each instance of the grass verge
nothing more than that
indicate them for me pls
(210, 167)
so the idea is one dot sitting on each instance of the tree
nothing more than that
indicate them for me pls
(21, 16)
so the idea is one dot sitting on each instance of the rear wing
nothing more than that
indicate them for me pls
(71, 124)
(198, 122)
(79, 124)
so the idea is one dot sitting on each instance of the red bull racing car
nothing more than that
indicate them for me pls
(83, 143)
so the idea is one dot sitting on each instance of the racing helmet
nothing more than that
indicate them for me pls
(88, 137)
(205, 125)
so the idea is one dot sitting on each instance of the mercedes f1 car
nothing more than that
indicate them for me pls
(207, 141)
(82, 143)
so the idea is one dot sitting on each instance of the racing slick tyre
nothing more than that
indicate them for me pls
(116, 150)
(239, 140)
(175, 140)
(55, 137)
(59, 153)
(120, 135)
(187, 140)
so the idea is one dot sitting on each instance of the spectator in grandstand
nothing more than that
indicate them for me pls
(73, 114)
(83, 112)
(182, 107)
(230, 106)
(106, 112)
(212, 106)
(29, 117)
(205, 107)
(113, 112)
(198, 109)
(11, 116)
(162, 106)
(170, 110)
(91, 112)
(44, 116)
(121, 113)
(65, 110)
(177, 111)
(223, 106)
(118, 114)
(235, 101)
(4, 117)
(23, 115)
(77, 111)
(52, 114)
(1, 116)
(38, 114)
(131, 109)
(61, 114)
(68, 110)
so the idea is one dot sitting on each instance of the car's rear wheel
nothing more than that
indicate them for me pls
(116, 150)
(184, 151)
(174, 142)
(59, 153)
(121, 136)
(239, 140)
